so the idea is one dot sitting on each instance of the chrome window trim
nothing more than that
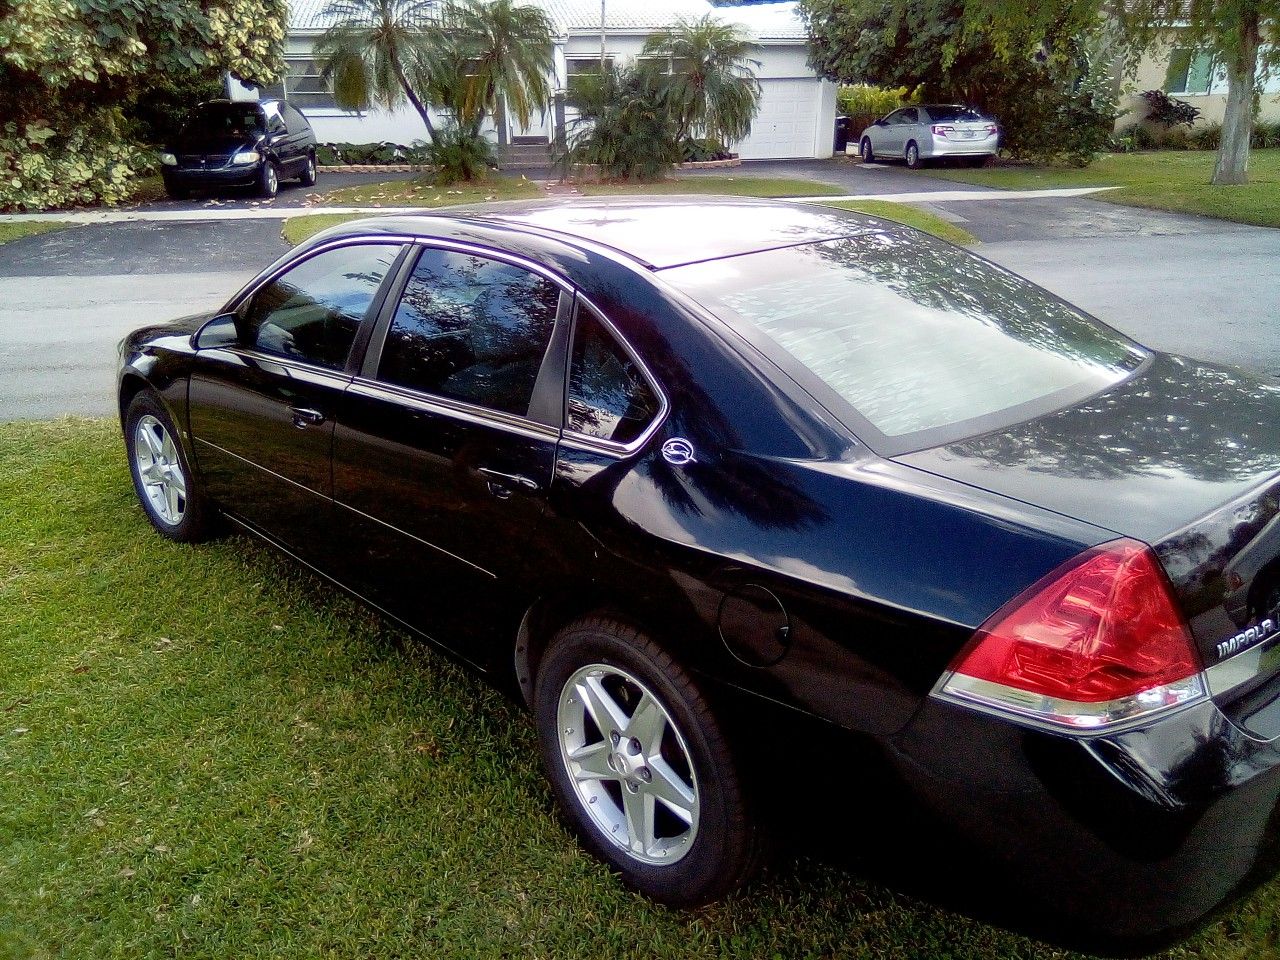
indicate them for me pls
(447, 406)
(583, 441)
(249, 353)
(294, 258)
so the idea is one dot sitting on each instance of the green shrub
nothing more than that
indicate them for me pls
(370, 154)
(461, 153)
(1265, 135)
(1125, 140)
(624, 128)
(43, 169)
(863, 99)
(1143, 138)
(1168, 112)
(703, 151)
(1175, 138)
(1206, 137)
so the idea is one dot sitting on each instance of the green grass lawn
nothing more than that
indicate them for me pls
(724, 185)
(911, 216)
(297, 229)
(418, 193)
(1175, 180)
(205, 752)
(29, 228)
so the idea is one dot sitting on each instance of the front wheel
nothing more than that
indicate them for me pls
(162, 478)
(913, 156)
(268, 180)
(639, 765)
(868, 154)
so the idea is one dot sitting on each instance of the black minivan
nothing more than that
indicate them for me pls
(240, 144)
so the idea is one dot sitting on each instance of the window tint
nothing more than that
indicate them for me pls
(296, 121)
(312, 312)
(231, 119)
(925, 342)
(471, 329)
(609, 398)
(953, 114)
(275, 125)
(910, 115)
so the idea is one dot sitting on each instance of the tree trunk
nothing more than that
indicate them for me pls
(413, 97)
(1237, 122)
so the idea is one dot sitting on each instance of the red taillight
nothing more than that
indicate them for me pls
(991, 129)
(1096, 641)
(943, 131)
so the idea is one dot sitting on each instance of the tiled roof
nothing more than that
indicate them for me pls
(766, 21)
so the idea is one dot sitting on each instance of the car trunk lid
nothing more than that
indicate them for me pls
(1182, 455)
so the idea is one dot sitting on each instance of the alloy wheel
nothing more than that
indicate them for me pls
(629, 764)
(160, 470)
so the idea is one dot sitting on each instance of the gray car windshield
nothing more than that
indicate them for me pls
(923, 342)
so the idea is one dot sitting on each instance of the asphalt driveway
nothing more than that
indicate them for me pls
(1190, 285)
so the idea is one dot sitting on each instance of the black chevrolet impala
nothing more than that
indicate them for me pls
(652, 462)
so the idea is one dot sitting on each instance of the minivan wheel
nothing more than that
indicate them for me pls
(639, 766)
(268, 180)
(163, 480)
(868, 155)
(913, 156)
(308, 178)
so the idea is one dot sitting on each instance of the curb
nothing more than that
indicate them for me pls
(710, 164)
(373, 168)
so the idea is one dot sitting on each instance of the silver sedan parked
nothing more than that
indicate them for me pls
(931, 131)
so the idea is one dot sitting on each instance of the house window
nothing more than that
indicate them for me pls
(1190, 71)
(303, 86)
(582, 66)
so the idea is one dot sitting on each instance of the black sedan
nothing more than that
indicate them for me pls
(229, 143)
(681, 473)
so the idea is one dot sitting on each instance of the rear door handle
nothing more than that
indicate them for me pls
(304, 417)
(498, 478)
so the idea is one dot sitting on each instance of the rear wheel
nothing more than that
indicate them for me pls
(308, 178)
(913, 156)
(639, 765)
(868, 155)
(163, 480)
(268, 180)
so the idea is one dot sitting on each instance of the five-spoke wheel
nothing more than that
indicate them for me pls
(639, 765)
(162, 478)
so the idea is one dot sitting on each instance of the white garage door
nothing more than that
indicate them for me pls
(786, 125)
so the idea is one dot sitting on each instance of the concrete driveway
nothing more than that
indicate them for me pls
(1184, 284)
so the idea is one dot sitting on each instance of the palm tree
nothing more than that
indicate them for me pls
(374, 49)
(713, 88)
(507, 48)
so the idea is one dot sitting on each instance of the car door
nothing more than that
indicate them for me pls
(301, 137)
(446, 442)
(279, 140)
(262, 396)
(906, 129)
(881, 134)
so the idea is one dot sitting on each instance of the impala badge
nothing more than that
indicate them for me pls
(678, 452)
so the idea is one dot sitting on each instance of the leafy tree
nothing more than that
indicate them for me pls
(71, 71)
(379, 52)
(1028, 76)
(1243, 35)
(712, 88)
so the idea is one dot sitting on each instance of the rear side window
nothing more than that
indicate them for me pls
(609, 398)
(296, 121)
(312, 312)
(953, 114)
(471, 329)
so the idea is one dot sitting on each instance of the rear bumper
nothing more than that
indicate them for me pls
(961, 148)
(194, 179)
(1134, 835)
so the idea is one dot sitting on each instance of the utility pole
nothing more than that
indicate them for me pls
(602, 27)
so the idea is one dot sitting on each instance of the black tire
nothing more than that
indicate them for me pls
(268, 180)
(868, 154)
(718, 848)
(912, 156)
(308, 178)
(193, 520)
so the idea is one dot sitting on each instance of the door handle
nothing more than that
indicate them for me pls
(304, 417)
(499, 479)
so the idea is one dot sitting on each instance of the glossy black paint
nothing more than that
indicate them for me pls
(789, 565)
(283, 138)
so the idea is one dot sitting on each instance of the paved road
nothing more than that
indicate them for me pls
(1201, 287)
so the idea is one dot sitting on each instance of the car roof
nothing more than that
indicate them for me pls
(657, 232)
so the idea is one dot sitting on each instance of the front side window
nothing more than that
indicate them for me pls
(472, 329)
(926, 343)
(609, 397)
(312, 312)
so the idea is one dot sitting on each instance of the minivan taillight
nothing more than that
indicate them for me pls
(1096, 642)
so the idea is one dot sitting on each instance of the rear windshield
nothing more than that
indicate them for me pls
(953, 114)
(232, 119)
(912, 341)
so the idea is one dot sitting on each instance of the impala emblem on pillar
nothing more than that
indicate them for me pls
(678, 452)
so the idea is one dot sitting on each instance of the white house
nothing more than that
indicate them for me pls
(797, 111)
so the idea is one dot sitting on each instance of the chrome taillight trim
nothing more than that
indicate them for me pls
(1070, 716)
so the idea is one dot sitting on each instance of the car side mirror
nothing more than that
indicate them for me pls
(220, 331)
